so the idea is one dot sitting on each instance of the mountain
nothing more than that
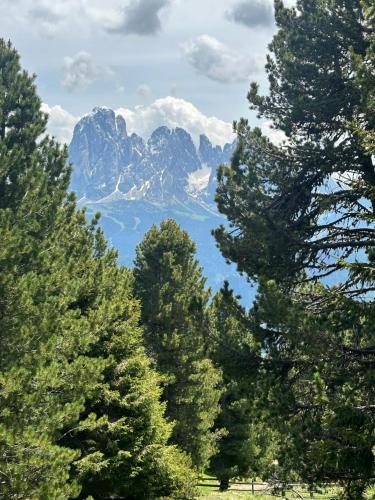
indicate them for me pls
(111, 165)
(135, 183)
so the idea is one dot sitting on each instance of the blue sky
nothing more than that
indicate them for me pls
(161, 62)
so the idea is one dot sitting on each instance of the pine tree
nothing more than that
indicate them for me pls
(232, 346)
(318, 383)
(171, 289)
(45, 374)
(302, 217)
(299, 206)
(122, 433)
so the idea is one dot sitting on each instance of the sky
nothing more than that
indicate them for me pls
(186, 63)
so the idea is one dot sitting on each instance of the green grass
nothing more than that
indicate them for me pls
(235, 495)
(211, 493)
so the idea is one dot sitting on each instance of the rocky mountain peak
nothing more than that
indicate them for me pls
(110, 165)
(121, 126)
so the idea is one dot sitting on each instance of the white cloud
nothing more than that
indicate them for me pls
(139, 17)
(252, 13)
(143, 120)
(219, 62)
(60, 123)
(172, 113)
(80, 72)
(144, 92)
(46, 17)
(275, 135)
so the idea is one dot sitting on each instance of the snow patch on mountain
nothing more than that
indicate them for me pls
(199, 179)
(137, 193)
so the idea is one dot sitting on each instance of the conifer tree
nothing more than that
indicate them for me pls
(122, 433)
(170, 286)
(299, 206)
(44, 372)
(302, 217)
(232, 346)
(318, 382)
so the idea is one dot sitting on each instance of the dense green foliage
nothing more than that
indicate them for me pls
(306, 200)
(122, 434)
(79, 401)
(319, 384)
(170, 286)
(244, 449)
(302, 217)
(45, 371)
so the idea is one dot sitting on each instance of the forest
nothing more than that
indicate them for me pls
(131, 383)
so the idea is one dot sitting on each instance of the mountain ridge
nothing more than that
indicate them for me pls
(111, 165)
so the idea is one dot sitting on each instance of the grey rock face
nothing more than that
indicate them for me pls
(110, 165)
(213, 156)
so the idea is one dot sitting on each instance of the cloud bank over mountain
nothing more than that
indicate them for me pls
(168, 111)
(173, 112)
(143, 120)
(61, 123)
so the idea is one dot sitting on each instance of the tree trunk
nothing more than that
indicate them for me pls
(224, 484)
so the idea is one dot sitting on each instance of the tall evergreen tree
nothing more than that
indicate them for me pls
(300, 206)
(170, 286)
(302, 212)
(122, 434)
(244, 450)
(44, 373)
(318, 381)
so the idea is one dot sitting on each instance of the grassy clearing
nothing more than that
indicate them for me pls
(236, 495)
(211, 493)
